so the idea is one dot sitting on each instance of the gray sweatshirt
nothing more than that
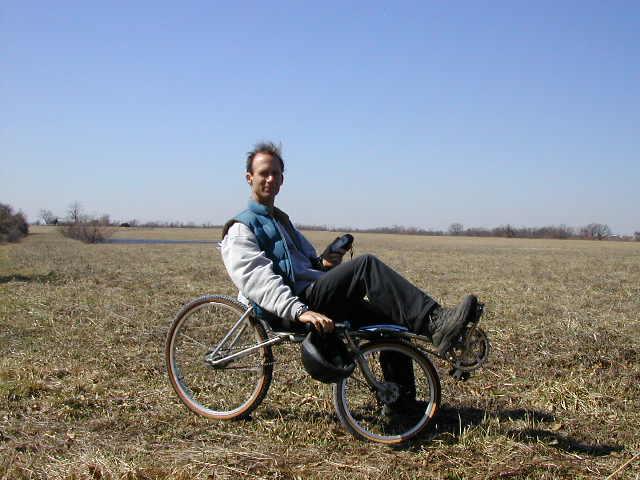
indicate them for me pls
(252, 272)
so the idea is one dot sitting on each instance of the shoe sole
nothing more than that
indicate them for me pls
(469, 305)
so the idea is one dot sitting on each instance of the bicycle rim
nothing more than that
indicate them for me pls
(229, 391)
(362, 411)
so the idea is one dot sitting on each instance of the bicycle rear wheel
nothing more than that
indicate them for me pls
(383, 417)
(233, 388)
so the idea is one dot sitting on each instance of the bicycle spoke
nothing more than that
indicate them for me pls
(228, 388)
(408, 398)
(193, 340)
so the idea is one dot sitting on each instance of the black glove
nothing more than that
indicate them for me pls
(339, 245)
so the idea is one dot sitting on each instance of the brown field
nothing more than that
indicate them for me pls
(84, 392)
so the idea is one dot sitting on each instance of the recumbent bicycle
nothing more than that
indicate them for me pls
(220, 360)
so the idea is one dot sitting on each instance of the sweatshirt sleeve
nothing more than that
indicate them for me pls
(252, 273)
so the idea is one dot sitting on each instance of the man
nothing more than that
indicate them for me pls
(276, 269)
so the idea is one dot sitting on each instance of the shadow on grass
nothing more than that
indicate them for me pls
(561, 442)
(451, 422)
(49, 277)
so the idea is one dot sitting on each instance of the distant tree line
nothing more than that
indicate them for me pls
(99, 228)
(75, 216)
(593, 231)
(168, 224)
(397, 229)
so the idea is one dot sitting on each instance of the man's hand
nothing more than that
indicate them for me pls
(331, 260)
(320, 322)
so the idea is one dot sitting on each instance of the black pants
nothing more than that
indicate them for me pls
(340, 294)
(390, 298)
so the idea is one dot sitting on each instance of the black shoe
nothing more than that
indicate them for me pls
(447, 323)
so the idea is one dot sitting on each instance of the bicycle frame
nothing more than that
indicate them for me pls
(369, 332)
(364, 365)
(392, 331)
(240, 324)
(236, 331)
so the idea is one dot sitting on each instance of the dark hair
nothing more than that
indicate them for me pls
(268, 148)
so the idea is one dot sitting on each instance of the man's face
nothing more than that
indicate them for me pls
(266, 178)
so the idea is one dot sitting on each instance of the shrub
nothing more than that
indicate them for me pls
(13, 226)
(87, 230)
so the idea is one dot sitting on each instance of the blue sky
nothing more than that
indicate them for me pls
(409, 113)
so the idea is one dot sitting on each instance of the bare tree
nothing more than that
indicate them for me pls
(86, 228)
(48, 217)
(74, 213)
(456, 229)
(504, 231)
(596, 231)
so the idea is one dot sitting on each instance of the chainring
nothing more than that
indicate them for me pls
(471, 351)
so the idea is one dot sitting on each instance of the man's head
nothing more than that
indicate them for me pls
(265, 169)
(269, 148)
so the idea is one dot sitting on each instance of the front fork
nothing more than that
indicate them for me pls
(387, 392)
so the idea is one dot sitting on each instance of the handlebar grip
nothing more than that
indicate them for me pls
(338, 327)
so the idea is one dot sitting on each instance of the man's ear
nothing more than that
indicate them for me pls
(249, 177)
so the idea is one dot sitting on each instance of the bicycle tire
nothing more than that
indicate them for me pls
(362, 412)
(226, 392)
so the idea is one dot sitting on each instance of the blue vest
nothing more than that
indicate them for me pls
(263, 225)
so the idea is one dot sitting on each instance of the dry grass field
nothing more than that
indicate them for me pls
(84, 392)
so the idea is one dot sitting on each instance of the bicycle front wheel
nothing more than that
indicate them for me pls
(384, 415)
(195, 355)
